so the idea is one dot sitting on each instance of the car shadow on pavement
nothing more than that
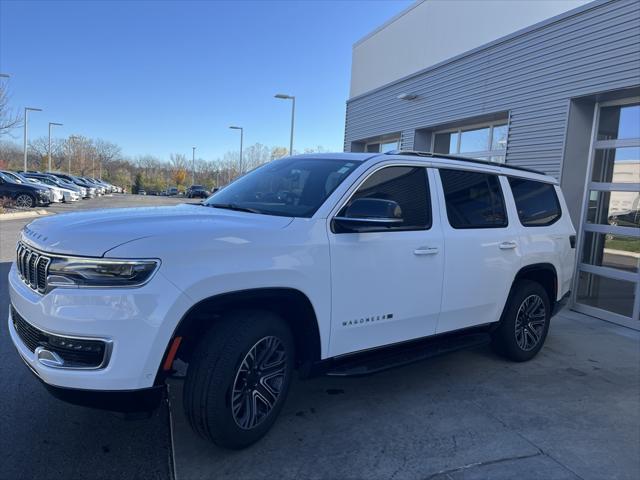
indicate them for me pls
(42, 437)
(546, 418)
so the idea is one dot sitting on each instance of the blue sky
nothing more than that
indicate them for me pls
(160, 76)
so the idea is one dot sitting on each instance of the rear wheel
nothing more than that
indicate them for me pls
(24, 200)
(525, 322)
(238, 378)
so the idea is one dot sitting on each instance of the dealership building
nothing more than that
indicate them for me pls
(550, 85)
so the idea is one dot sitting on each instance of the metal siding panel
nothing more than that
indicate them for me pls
(531, 76)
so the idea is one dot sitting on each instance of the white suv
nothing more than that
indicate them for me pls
(339, 264)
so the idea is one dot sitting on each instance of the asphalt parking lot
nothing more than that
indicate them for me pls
(571, 413)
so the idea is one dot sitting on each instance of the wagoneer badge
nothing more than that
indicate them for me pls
(365, 320)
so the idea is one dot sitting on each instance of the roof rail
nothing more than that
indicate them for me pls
(459, 157)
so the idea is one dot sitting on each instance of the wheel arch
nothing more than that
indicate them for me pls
(291, 304)
(543, 273)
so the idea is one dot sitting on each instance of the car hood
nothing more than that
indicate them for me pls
(93, 233)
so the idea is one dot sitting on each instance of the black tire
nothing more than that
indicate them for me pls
(25, 200)
(218, 365)
(525, 322)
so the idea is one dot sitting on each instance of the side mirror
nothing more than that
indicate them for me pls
(368, 215)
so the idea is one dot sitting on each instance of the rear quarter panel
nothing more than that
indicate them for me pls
(551, 244)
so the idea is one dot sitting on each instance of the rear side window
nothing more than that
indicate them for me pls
(536, 202)
(473, 199)
(408, 186)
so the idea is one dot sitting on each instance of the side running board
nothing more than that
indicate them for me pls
(399, 355)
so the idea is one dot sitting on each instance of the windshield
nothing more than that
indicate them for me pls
(291, 187)
(7, 178)
(12, 177)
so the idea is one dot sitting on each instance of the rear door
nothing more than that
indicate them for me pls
(482, 253)
(387, 284)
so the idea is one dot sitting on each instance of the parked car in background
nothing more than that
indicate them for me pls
(100, 189)
(110, 188)
(69, 194)
(23, 194)
(142, 191)
(55, 194)
(173, 191)
(90, 190)
(68, 184)
(197, 191)
(344, 264)
(628, 218)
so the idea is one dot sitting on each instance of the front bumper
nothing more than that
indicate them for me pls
(124, 401)
(138, 323)
(43, 199)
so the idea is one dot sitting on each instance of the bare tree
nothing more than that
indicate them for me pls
(278, 152)
(106, 153)
(254, 156)
(8, 119)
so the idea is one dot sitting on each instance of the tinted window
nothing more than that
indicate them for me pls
(474, 200)
(536, 202)
(407, 186)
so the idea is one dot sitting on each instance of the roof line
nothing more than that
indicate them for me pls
(387, 23)
(523, 31)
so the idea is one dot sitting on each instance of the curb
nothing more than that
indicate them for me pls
(21, 215)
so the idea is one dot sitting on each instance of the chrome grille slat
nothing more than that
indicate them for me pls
(33, 271)
(32, 267)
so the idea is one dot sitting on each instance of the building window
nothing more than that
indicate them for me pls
(383, 145)
(484, 142)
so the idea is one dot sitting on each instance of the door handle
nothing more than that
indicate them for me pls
(508, 245)
(426, 251)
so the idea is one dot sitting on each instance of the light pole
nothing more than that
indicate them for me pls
(283, 96)
(50, 125)
(241, 139)
(193, 165)
(26, 122)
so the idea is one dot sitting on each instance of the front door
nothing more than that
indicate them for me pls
(387, 283)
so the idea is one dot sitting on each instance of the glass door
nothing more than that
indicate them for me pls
(608, 274)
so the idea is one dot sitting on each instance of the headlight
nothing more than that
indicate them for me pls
(89, 272)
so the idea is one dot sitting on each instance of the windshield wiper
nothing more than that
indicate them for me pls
(232, 206)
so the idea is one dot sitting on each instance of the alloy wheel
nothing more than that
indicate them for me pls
(24, 201)
(530, 322)
(258, 382)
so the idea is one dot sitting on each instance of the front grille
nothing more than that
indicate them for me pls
(76, 353)
(32, 267)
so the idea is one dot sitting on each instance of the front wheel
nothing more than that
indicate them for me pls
(238, 378)
(525, 322)
(24, 200)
